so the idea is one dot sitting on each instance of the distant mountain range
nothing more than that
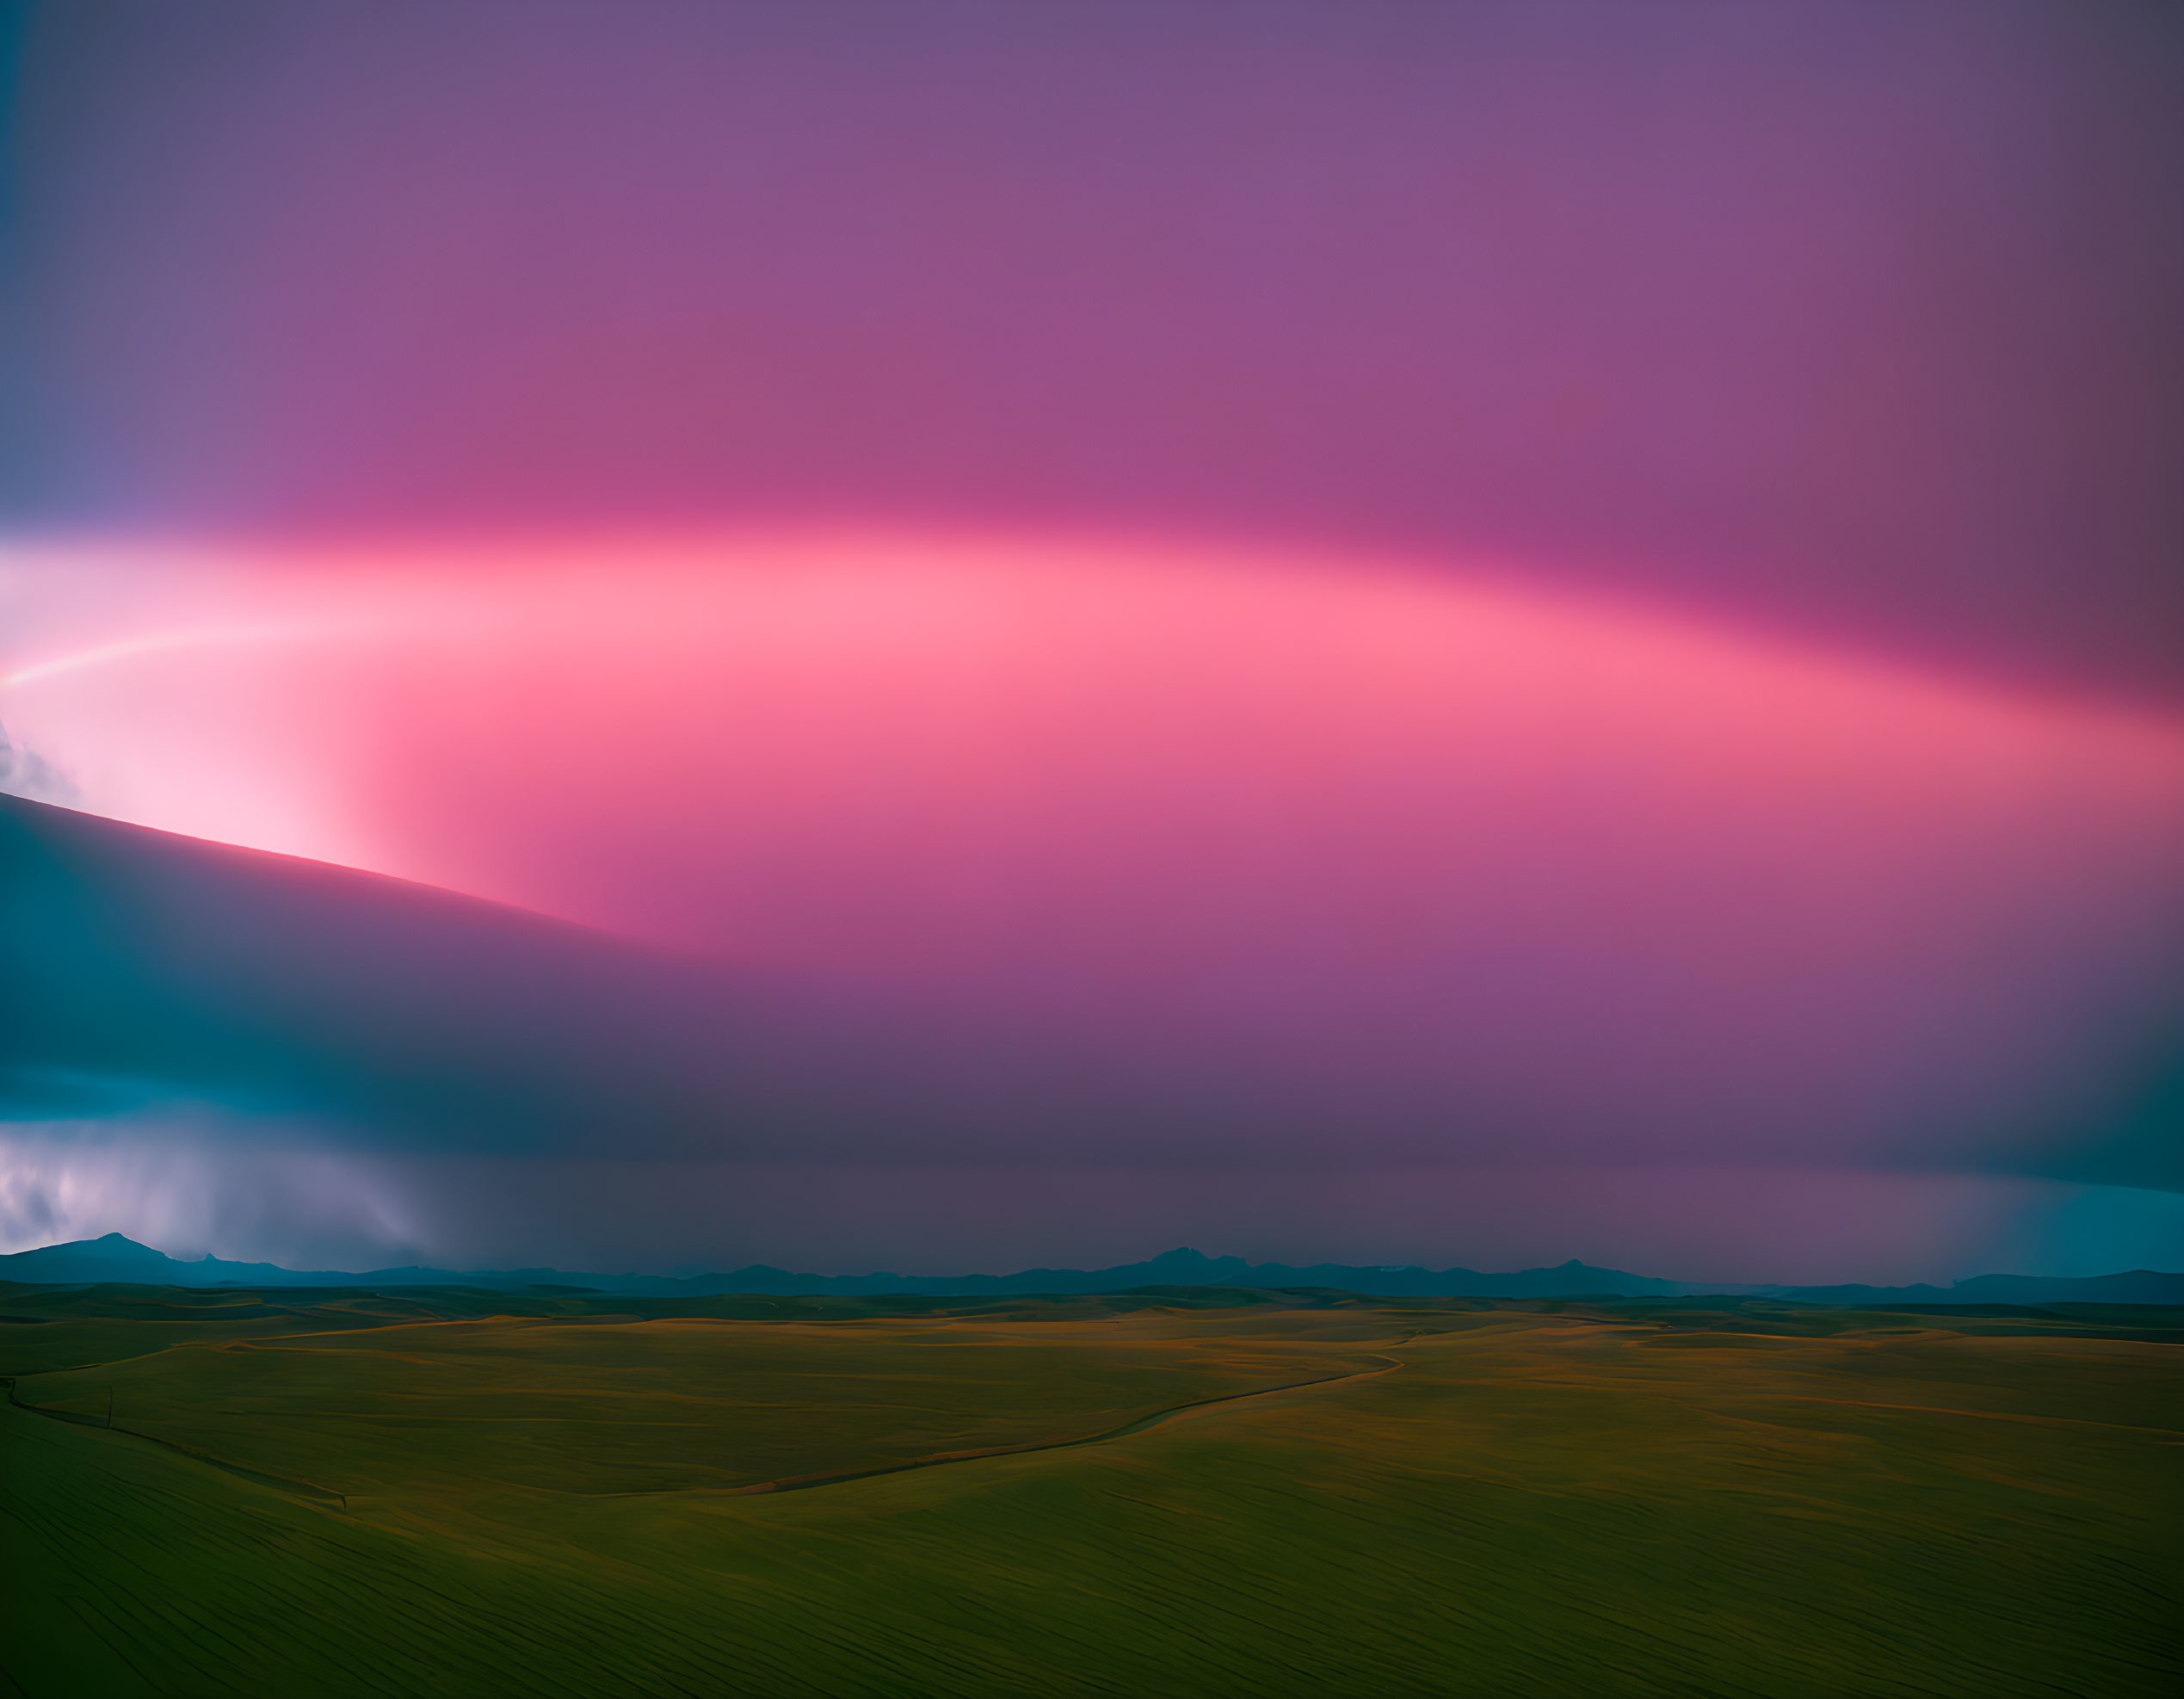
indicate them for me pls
(119, 1260)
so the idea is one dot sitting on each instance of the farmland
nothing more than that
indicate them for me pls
(1173, 1492)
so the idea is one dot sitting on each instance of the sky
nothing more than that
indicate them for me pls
(1390, 633)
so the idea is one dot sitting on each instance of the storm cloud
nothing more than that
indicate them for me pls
(713, 629)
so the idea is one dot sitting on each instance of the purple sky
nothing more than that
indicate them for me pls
(1762, 421)
(1860, 315)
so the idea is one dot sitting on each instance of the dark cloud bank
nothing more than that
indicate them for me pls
(520, 1071)
(143, 968)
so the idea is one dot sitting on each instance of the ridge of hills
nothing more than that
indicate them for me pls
(117, 1259)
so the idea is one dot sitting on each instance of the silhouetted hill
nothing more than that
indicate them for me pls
(2138, 1286)
(116, 1259)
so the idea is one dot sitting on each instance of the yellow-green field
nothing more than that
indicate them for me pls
(1169, 1492)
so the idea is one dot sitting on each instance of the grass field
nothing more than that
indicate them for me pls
(1170, 1492)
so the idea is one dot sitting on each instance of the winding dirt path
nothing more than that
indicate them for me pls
(1136, 1425)
(317, 1494)
(301, 1489)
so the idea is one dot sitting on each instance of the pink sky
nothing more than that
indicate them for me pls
(1430, 870)
(1553, 587)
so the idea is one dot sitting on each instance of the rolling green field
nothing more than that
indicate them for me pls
(1174, 1491)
